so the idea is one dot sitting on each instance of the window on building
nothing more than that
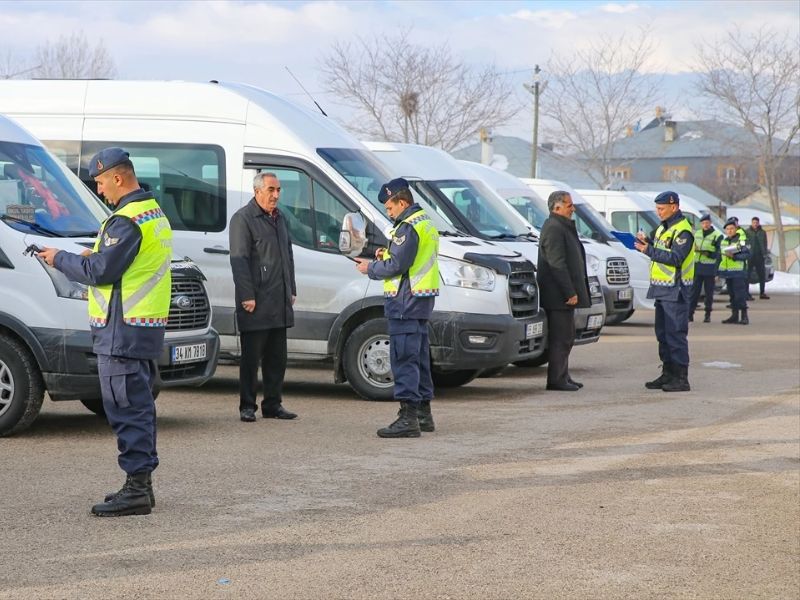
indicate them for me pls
(621, 173)
(727, 173)
(673, 173)
(187, 180)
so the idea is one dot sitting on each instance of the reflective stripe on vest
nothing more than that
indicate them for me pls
(146, 284)
(728, 263)
(706, 244)
(424, 272)
(663, 275)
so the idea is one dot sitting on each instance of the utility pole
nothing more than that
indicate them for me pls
(535, 90)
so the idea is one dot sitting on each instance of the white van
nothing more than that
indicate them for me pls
(446, 183)
(630, 212)
(45, 343)
(592, 224)
(197, 146)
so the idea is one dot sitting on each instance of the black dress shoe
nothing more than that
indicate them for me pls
(573, 382)
(562, 387)
(247, 415)
(281, 413)
(763, 296)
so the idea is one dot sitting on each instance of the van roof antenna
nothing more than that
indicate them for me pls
(306, 91)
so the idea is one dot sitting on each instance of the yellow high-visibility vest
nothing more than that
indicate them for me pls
(147, 283)
(706, 244)
(424, 272)
(663, 275)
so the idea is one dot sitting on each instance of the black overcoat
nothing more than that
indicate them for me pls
(562, 265)
(263, 268)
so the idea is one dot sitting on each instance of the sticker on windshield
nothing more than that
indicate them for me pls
(26, 212)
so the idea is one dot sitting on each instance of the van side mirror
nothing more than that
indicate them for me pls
(353, 236)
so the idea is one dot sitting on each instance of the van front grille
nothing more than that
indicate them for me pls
(189, 307)
(617, 271)
(523, 290)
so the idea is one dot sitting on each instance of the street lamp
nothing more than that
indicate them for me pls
(536, 90)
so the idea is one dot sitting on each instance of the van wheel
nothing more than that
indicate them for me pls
(21, 387)
(450, 379)
(96, 406)
(619, 317)
(367, 363)
(540, 360)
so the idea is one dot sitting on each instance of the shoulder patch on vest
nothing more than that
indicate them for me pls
(108, 240)
(399, 240)
(681, 241)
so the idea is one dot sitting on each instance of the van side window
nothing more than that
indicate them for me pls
(626, 220)
(314, 215)
(187, 180)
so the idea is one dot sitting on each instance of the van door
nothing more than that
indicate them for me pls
(327, 282)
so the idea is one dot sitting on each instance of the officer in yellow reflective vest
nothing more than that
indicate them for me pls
(128, 272)
(733, 267)
(671, 253)
(706, 248)
(409, 269)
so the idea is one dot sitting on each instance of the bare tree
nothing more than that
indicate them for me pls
(409, 93)
(594, 94)
(74, 57)
(755, 81)
(12, 65)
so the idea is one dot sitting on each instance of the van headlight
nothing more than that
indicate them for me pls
(592, 264)
(462, 274)
(66, 288)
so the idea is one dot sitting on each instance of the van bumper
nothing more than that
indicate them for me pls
(618, 299)
(583, 333)
(474, 341)
(71, 369)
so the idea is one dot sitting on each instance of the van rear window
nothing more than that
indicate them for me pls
(187, 180)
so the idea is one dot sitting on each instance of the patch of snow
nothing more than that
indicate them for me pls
(721, 364)
(784, 283)
(692, 135)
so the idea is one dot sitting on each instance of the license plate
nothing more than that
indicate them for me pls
(625, 294)
(594, 322)
(188, 353)
(533, 329)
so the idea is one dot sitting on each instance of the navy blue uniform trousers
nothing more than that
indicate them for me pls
(738, 287)
(672, 327)
(703, 283)
(127, 388)
(409, 349)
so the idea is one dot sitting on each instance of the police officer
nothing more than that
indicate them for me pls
(671, 253)
(409, 269)
(706, 247)
(733, 267)
(128, 272)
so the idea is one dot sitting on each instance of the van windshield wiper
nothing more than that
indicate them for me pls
(503, 236)
(89, 234)
(34, 226)
(451, 233)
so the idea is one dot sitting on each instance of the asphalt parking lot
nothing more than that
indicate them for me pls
(611, 492)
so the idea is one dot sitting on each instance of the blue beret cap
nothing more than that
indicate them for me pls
(705, 217)
(388, 190)
(107, 159)
(731, 221)
(667, 198)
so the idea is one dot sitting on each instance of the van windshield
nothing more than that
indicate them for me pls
(39, 194)
(475, 203)
(591, 223)
(366, 173)
(533, 209)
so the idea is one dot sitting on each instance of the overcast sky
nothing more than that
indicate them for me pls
(253, 42)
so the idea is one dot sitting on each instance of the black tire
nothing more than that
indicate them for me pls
(451, 379)
(21, 387)
(540, 360)
(366, 361)
(96, 406)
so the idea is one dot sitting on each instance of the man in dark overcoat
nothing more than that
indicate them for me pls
(263, 275)
(563, 286)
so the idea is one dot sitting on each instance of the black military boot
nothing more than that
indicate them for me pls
(425, 417)
(679, 381)
(744, 320)
(132, 499)
(658, 382)
(734, 318)
(691, 317)
(707, 318)
(111, 495)
(406, 425)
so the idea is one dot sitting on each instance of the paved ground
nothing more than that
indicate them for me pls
(611, 492)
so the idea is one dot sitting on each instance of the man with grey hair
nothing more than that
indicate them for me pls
(263, 275)
(563, 285)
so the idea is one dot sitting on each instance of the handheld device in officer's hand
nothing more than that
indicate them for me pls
(32, 250)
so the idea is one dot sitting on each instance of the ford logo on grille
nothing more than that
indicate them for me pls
(182, 301)
(529, 289)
